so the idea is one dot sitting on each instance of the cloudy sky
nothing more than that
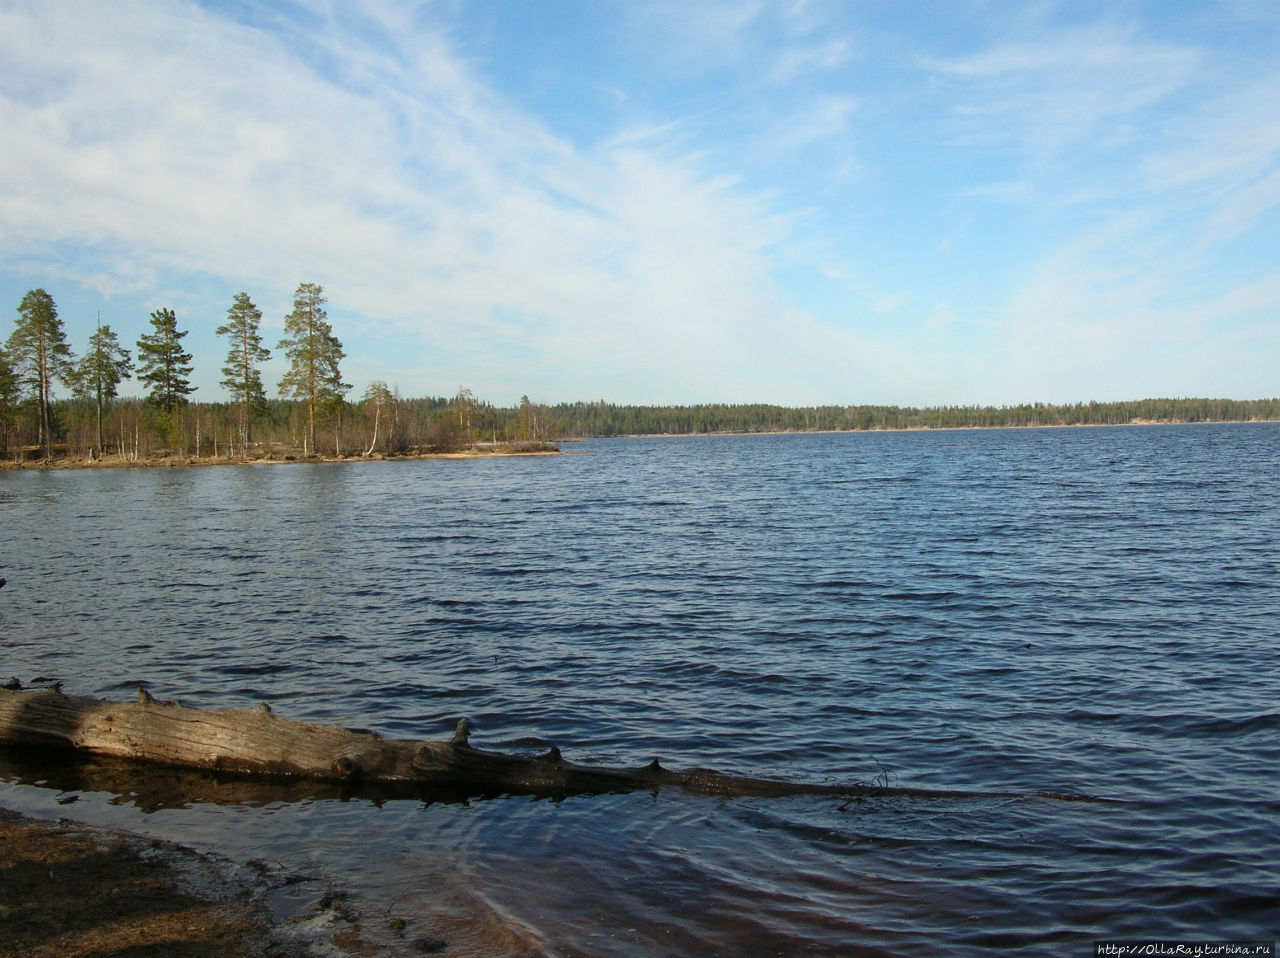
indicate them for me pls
(664, 201)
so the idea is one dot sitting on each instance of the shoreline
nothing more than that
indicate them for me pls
(1133, 423)
(70, 889)
(272, 459)
(551, 448)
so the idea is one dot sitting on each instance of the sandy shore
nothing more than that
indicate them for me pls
(70, 890)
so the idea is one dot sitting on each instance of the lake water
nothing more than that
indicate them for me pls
(1092, 613)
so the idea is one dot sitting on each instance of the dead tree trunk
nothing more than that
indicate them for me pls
(255, 741)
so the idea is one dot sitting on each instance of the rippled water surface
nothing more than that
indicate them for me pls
(1087, 613)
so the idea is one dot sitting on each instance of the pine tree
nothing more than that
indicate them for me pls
(39, 354)
(244, 380)
(100, 372)
(8, 400)
(162, 363)
(314, 354)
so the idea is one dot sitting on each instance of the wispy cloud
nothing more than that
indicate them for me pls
(1224, 154)
(1066, 89)
(157, 133)
(820, 118)
(816, 57)
(1026, 215)
(1141, 158)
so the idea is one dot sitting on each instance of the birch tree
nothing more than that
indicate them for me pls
(466, 403)
(376, 397)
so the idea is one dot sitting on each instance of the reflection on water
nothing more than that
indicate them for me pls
(154, 788)
(1050, 611)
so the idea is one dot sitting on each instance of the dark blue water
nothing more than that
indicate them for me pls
(1090, 613)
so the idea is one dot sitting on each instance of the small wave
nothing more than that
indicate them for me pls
(1269, 722)
(919, 596)
(264, 668)
(1199, 726)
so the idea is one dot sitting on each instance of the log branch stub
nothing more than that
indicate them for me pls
(553, 756)
(463, 731)
(350, 767)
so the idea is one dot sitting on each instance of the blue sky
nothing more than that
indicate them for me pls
(789, 201)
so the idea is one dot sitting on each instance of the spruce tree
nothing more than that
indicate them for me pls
(163, 365)
(39, 354)
(243, 378)
(314, 354)
(104, 366)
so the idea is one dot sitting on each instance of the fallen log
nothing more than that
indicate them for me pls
(257, 742)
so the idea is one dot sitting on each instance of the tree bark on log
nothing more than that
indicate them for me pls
(257, 742)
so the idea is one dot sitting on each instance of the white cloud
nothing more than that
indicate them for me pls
(1224, 155)
(154, 133)
(822, 118)
(1066, 89)
(797, 61)
(155, 145)
(1100, 308)
(1138, 161)
(699, 35)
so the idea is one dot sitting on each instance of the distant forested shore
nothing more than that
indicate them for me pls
(585, 420)
(134, 431)
(313, 418)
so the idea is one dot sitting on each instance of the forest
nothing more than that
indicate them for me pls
(313, 416)
(584, 420)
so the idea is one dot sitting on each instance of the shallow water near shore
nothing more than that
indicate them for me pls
(1088, 613)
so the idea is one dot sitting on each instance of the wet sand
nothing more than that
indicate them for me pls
(70, 890)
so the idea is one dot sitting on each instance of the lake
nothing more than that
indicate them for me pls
(1077, 627)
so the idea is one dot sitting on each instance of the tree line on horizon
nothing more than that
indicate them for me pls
(601, 419)
(312, 406)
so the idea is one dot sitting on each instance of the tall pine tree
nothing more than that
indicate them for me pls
(314, 354)
(104, 366)
(39, 354)
(8, 400)
(163, 365)
(243, 378)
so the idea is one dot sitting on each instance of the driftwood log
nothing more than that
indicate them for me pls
(256, 742)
